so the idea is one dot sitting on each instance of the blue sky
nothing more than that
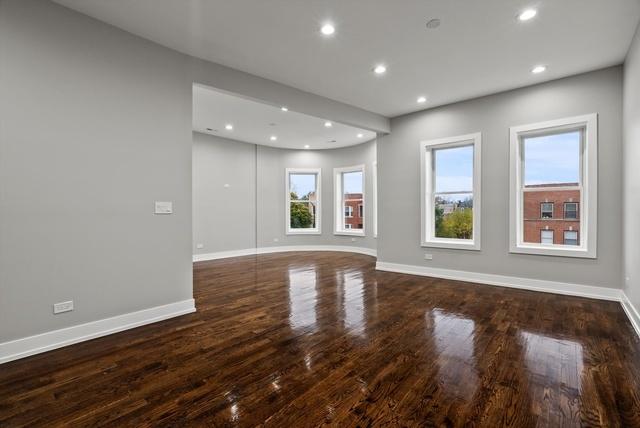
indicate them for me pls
(352, 182)
(454, 169)
(302, 184)
(552, 159)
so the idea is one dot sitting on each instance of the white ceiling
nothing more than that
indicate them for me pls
(479, 49)
(255, 122)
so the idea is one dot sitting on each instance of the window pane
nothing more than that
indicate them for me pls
(303, 215)
(454, 216)
(552, 159)
(571, 237)
(302, 188)
(352, 198)
(551, 166)
(453, 169)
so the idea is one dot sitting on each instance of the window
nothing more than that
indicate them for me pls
(348, 211)
(450, 170)
(360, 211)
(349, 193)
(546, 210)
(554, 163)
(570, 237)
(571, 210)
(303, 201)
(546, 236)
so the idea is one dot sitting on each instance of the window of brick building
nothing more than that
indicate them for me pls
(349, 195)
(546, 210)
(554, 164)
(450, 170)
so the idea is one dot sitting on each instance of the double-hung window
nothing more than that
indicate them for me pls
(450, 170)
(303, 201)
(551, 162)
(349, 203)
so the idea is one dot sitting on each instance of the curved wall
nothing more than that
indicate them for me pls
(239, 195)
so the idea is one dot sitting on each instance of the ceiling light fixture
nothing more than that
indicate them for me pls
(328, 124)
(380, 69)
(328, 29)
(527, 15)
(421, 100)
(538, 69)
(360, 135)
(273, 138)
(284, 108)
(306, 146)
(228, 127)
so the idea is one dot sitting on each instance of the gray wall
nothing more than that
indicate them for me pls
(225, 217)
(224, 194)
(631, 195)
(95, 127)
(398, 174)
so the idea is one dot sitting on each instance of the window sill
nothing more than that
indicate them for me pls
(556, 250)
(451, 244)
(348, 233)
(304, 232)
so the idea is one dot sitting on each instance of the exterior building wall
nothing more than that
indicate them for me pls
(354, 200)
(533, 221)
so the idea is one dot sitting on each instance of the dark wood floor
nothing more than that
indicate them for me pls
(308, 339)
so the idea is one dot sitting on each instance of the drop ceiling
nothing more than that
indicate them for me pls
(479, 48)
(256, 122)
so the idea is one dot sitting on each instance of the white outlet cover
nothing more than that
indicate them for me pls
(428, 256)
(199, 246)
(61, 307)
(164, 207)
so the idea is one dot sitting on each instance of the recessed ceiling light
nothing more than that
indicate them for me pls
(328, 29)
(228, 127)
(527, 14)
(380, 69)
(306, 146)
(538, 69)
(273, 138)
(284, 108)
(360, 135)
(421, 100)
(328, 124)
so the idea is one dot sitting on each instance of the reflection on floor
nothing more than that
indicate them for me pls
(305, 339)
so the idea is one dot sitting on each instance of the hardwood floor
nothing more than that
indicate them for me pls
(309, 339)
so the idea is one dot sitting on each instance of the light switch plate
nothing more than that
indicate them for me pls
(164, 207)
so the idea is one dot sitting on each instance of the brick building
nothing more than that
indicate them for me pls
(552, 214)
(353, 211)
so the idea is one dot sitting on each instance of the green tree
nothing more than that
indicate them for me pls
(301, 217)
(458, 224)
(439, 218)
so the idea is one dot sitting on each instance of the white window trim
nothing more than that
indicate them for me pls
(375, 199)
(589, 185)
(426, 192)
(318, 229)
(338, 211)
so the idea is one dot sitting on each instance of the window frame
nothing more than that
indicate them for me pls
(311, 231)
(542, 217)
(427, 198)
(338, 212)
(564, 236)
(552, 236)
(577, 211)
(588, 185)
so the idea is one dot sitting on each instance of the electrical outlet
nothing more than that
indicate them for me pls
(61, 307)
(199, 246)
(428, 256)
(275, 239)
(353, 239)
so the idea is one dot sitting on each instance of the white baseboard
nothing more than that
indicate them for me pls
(568, 289)
(283, 249)
(50, 340)
(632, 313)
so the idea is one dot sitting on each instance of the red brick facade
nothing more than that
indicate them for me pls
(355, 207)
(548, 209)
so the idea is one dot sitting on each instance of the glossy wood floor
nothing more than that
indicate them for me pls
(309, 339)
